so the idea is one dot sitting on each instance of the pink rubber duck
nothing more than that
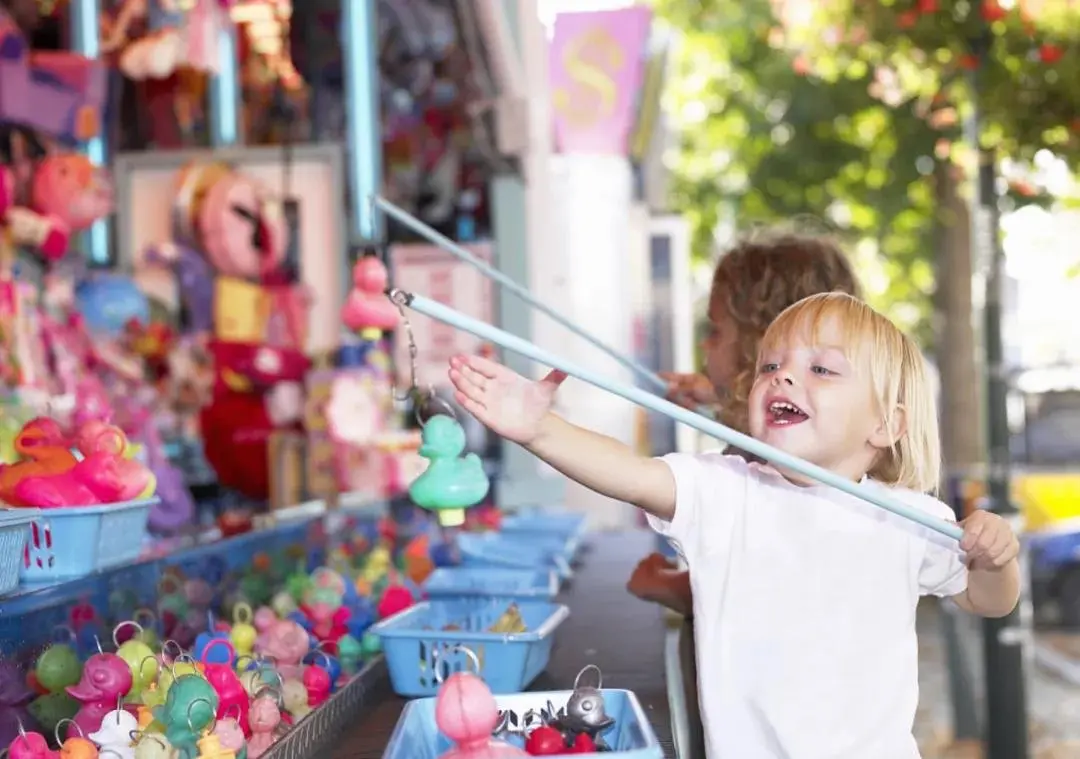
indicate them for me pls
(466, 713)
(317, 683)
(264, 717)
(106, 678)
(31, 746)
(367, 310)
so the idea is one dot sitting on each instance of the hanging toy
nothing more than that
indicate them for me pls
(295, 697)
(261, 675)
(30, 745)
(153, 746)
(466, 713)
(115, 732)
(75, 747)
(188, 710)
(139, 658)
(264, 716)
(452, 482)
(330, 662)
(243, 633)
(226, 683)
(231, 735)
(106, 679)
(585, 712)
(367, 310)
(350, 655)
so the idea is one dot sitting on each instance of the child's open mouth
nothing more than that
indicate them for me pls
(784, 413)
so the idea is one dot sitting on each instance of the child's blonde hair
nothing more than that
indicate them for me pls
(898, 375)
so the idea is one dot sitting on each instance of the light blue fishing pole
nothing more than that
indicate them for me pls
(492, 273)
(447, 315)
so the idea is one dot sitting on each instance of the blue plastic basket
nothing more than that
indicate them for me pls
(631, 737)
(492, 582)
(415, 643)
(493, 549)
(565, 523)
(76, 541)
(14, 530)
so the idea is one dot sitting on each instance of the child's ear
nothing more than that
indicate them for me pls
(889, 429)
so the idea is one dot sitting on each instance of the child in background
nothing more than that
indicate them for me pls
(753, 282)
(804, 596)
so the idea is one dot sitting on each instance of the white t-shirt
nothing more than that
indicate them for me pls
(804, 610)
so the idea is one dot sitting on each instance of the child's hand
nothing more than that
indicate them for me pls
(988, 541)
(504, 401)
(689, 390)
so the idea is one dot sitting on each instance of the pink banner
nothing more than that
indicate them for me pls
(597, 60)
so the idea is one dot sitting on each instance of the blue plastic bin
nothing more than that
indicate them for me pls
(492, 549)
(14, 531)
(76, 541)
(414, 643)
(492, 582)
(631, 737)
(565, 523)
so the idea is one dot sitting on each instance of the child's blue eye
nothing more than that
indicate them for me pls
(766, 368)
(821, 370)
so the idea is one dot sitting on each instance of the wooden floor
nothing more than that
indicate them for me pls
(607, 627)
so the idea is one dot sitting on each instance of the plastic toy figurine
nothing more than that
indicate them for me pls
(57, 668)
(153, 746)
(231, 736)
(317, 681)
(265, 718)
(286, 643)
(243, 633)
(452, 482)
(232, 698)
(295, 697)
(466, 713)
(321, 603)
(584, 712)
(188, 710)
(114, 734)
(264, 618)
(350, 655)
(140, 660)
(367, 310)
(105, 680)
(75, 747)
(30, 745)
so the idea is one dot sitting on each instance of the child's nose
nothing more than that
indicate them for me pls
(783, 377)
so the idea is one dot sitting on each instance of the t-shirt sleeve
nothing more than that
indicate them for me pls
(710, 488)
(942, 572)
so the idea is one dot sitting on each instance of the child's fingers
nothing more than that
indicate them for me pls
(468, 382)
(484, 366)
(475, 408)
(971, 536)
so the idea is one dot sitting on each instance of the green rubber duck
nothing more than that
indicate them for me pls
(49, 710)
(58, 667)
(350, 654)
(188, 710)
(452, 482)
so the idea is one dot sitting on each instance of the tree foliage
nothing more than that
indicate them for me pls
(771, 143)
(840, 109)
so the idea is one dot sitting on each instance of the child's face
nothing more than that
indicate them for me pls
(808, 400)
(720, 345)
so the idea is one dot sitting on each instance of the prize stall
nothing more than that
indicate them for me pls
(241, 516)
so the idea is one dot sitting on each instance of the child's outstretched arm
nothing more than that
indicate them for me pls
(520, 410)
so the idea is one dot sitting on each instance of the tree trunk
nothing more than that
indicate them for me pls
(957, 354)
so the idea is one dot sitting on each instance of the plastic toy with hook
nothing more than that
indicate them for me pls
(135, 653)
(317, 679)
(243, 633)
(189, 708)
(105, 680)
(115, 731)
(29, 745)
(466, 712)
(452, 481)
(226, 683)
(58, 666)
(74, 746)
(152, 746)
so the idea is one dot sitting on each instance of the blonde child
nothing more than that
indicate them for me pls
(804, 597)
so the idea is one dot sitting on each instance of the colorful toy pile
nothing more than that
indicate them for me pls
(94, 466)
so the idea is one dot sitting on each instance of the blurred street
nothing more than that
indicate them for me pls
(1054, 702)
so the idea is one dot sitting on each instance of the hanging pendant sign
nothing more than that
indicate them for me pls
(597, 63)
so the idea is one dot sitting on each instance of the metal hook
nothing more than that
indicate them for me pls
(165, 649)
(56, 730)
(318, 652)
(272, 692)
(440, 404)
(190, 724)
(401, 299)
(97, 642)
(181, 657)
(228, 711)
(121, 626)
(157, 664)
(473, 659)
(147, 614)
(586, 668)
(119, 707)
(68, 632)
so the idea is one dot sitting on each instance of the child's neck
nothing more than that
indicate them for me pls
(854, 471)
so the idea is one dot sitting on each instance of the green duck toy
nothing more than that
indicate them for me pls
(452, 482)
(188, 710)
